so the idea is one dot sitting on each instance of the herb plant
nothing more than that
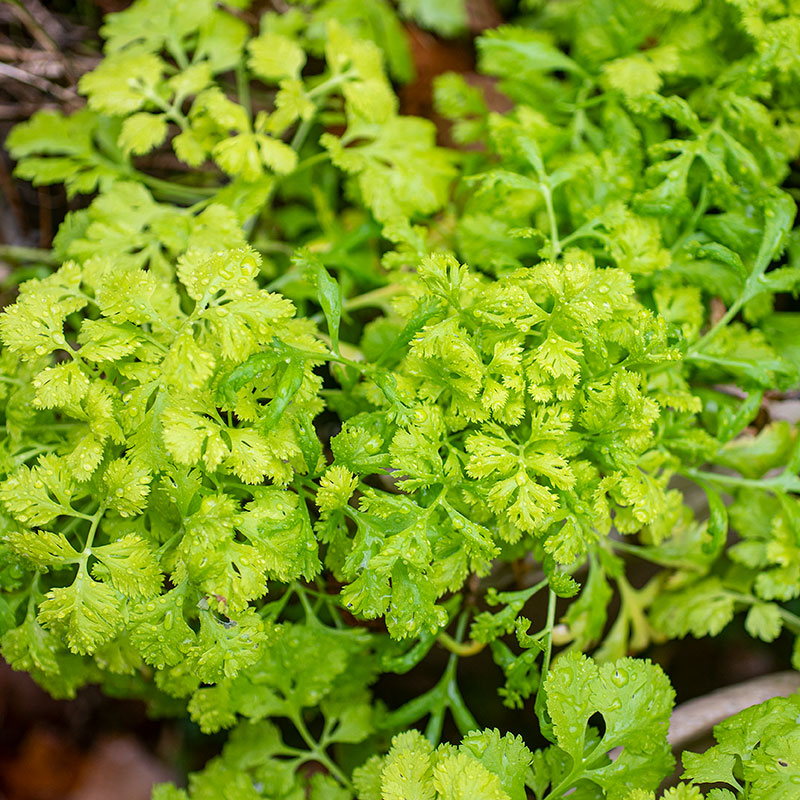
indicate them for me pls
(281, 419)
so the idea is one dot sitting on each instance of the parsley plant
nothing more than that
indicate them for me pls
(327, 372)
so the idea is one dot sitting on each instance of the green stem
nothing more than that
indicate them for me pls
(785, 482)
(699, 210)
(462, 649)
(558, 791)
(191, 194)
(375, 297)
(327, 86)
(27, 255)
(579, 120)
(243, 89)
(317, 94)
(96, 517)
(301, 133)
(177, 52)
(551, 619)
(170, 111)
(309, 611)
(311, 161)
(555, 244)
(277, 607)
(587, 231)
(792, 621)
(735, 308)
(318, 753)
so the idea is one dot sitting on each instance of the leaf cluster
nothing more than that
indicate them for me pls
(290, 413)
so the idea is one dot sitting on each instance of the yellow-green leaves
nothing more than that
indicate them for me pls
(326, 371)
(247, 154)
(122, 84)
(336, 487)
(141, 132)
(87, 613)
(34, 326)
(635, 700)
(640, 74)
(274, 56)
(62, 385)
(757, 751)
(38, 495)
(204, 275)
(367, 91)
(127, 485)
(400, 171)
(485, 766)
(129, 565)
(43, 548)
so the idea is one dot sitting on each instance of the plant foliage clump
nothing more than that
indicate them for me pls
(332, 372)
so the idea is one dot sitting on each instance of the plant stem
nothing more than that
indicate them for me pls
(300, 134)
(717, 327)
(318, 753)
(551, 619)
(243, 89)
(784, 482)
(318, 93)
(470, 648)
(26, 255)
(555, 244)
(96, 517)
(190, 194)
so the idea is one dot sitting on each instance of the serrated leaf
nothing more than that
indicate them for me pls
(88, 613)
(130, 565)
(142, 132)
(274, 56)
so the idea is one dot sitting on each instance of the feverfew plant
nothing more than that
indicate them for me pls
(281, 420)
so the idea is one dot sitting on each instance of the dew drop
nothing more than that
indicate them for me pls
(620, 677)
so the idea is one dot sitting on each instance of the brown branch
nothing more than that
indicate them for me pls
(37, 62)
(46, 30)
(38, 82)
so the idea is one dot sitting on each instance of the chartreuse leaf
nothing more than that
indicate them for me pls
(756, 751)
(141, 132)
(128, 485)
(485, 765)
(52, 148)
(121, 84)
(129, 565)
(158, 628)
(446, 17)
(635, 700)
(38, 495)
(43, 548)
(87, 612)
(274, 56)
(329, 292)
(368, 93)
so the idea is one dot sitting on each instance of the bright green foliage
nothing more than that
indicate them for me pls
(634, 698)
(485, 765)
(332, 396)
(757, 754)
(446, 17)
